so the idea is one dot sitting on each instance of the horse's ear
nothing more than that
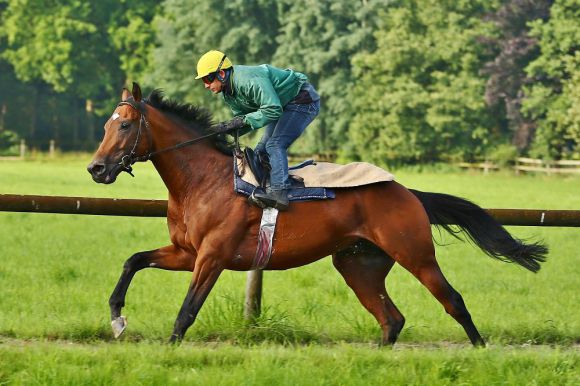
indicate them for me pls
(136, 92)
(125, 95)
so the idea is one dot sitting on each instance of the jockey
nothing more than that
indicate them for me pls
(280, 100)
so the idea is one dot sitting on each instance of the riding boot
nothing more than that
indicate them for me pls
(253, 200)
(273, 198)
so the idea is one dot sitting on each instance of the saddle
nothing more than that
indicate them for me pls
(259, 164)
(252, 170)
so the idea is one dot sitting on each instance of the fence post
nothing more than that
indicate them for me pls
(22, 148)
(51, 148)
(252, 305)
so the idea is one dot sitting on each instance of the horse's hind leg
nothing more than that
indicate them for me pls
(419, 259)
(170, 258)
(364, 268)
(400, 227)
(432, 278)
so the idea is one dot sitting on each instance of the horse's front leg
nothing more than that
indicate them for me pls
(207, 271)
(170, 258)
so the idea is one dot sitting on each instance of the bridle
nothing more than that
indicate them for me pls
(129, 159)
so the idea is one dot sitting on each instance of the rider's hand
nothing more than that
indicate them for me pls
(229, 126)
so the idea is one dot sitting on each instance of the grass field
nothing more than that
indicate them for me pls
(57, 272)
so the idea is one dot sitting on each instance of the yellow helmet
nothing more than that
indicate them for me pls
(212, 61)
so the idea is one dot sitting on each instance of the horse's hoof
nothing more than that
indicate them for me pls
(118, 324)
(175, 340)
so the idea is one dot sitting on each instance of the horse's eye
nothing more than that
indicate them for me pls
(125, 125)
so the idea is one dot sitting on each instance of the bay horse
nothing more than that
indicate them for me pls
(366, 229)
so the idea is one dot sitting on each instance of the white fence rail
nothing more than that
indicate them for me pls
(529, 165)
(548, 167)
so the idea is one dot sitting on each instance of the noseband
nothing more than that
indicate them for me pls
(129, 159)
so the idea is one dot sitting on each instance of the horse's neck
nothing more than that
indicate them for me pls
(188, 171)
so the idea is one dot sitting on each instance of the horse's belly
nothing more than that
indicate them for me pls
(297, 243)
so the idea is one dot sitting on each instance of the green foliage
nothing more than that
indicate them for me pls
(8, 139)
(503, 154)
(401, 81)
(83, 50)
(554, 98)
(63, 44)
(320, 38)
(133, 36)
(516, 49)
(419, 96)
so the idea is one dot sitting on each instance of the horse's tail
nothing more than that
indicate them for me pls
(445, 211)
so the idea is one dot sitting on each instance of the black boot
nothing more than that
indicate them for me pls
(273, 198)
(255, 201)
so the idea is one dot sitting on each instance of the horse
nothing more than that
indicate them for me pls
(365, 229)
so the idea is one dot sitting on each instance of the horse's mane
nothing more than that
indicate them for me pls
(193, 117)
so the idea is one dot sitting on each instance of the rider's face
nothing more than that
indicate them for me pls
(214, 85)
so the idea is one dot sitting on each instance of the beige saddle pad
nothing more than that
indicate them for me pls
(330, 175)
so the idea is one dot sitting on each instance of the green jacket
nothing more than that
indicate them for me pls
(259, 93)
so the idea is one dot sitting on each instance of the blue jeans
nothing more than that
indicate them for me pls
(281, 134)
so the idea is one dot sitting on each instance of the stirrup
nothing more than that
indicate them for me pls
(270, 200)
(253, 200)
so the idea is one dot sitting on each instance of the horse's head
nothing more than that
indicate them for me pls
(126, 136)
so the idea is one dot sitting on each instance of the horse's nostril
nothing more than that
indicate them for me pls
(96, 169)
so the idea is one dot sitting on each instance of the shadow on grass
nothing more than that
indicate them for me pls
(277, 328)
(87, 334)
(536, 336)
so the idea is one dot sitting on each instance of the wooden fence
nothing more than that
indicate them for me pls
(486, 166)
(22, 150)
(158, 208)
(548, 167)
(521, 164)
(320, 157)
(529, 165)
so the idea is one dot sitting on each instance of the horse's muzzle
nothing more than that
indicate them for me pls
(104, 173)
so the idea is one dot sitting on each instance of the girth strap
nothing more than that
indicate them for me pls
(265, 238)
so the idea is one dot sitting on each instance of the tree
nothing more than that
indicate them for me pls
(320, 38)
(553, 100)
(419, 96)
(63, 46)
(83, 50)
(133, 36)
(516, 49)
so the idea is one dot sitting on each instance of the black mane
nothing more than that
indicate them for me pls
(193, 117)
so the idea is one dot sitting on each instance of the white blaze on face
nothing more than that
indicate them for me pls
(113, 117)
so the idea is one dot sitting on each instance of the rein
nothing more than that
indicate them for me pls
(129, 159)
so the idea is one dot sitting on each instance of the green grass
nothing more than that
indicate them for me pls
(57, 272)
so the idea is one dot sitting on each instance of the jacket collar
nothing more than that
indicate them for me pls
(229, 83)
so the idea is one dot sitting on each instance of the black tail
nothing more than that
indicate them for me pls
(445, 211)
